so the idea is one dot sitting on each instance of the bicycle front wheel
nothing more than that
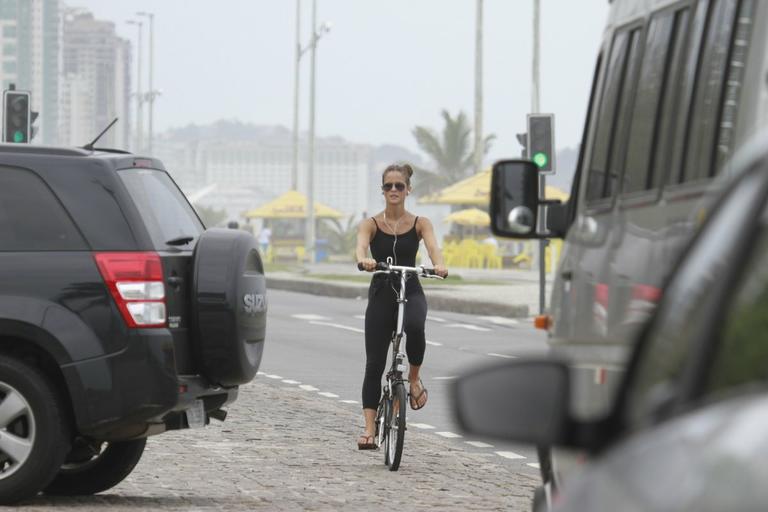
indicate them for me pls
(396, 427)
(382, 413)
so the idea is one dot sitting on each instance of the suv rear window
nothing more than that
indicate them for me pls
(31, 217)
(166, 213)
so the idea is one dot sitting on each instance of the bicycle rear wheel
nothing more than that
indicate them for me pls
(396, 427)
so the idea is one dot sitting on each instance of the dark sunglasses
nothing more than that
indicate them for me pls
(389, 186)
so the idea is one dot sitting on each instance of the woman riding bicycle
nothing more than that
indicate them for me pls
(394, 233)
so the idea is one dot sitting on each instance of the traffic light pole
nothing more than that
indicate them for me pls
(542, 179)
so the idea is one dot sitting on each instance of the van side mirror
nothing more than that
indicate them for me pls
(514, 199)
(525, 401)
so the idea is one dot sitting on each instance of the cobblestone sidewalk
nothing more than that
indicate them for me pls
(283, 449)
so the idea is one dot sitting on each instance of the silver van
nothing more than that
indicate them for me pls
(679, 87)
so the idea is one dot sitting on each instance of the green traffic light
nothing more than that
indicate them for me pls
(540, 159)
(18, 136)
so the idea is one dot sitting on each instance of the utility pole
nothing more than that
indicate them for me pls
(535, 75)
(295, 162)
(310, 239)
(150, 96)
(139, 92)
(535, 90)
(479, 150)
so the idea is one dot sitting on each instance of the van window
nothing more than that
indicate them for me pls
(708, 94)
(649, 90)
(618, 148)
(611, 120)
(673, 111)
(684, 92)
(31, 217)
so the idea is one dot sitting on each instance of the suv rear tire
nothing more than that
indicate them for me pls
(97, 472)
(32, 424)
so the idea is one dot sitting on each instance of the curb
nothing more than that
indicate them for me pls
(436, 300)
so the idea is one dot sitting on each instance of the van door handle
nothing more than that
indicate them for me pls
(175, 282)
(567, 275)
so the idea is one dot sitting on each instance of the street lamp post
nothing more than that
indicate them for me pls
(151, 94)
(299, 52)
(479, 150)
(317, 33)
(138, 94)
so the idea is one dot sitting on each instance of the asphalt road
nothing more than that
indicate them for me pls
(316, 344)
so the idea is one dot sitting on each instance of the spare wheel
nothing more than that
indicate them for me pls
(229, 306)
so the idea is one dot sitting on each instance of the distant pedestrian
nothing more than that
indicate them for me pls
(264, 239)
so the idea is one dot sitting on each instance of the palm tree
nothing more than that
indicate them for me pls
(452, 155)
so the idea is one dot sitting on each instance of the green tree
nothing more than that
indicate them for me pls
(450, 151)
(341, 237)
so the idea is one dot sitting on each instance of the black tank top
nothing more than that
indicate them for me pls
(401, 248)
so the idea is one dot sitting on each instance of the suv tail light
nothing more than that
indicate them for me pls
(135, 280)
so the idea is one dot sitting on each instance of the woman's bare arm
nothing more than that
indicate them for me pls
(433, 249)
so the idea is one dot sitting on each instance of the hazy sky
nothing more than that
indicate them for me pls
(386, 65)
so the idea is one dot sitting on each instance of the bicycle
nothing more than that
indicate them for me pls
(390, 415)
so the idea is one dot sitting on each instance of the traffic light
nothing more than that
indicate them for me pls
(16, 116)
(541, 141)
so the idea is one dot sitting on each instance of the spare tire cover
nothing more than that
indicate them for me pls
(229, 306)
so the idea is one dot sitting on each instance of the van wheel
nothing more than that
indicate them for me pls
(92, 468)
(34, 437)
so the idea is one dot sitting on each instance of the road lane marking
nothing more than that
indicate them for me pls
(337, 326)
(499, 320)
(449, 435)
(349, 401)
(307, 387)
(422, 426)
(289, 381)
(434, 343)
(450, 377)
(311, 317)
(435, 319)
(534, 465)
(327, 394)
(509, 455)
(479, 444)
(505, 356)
(272, 376)
(470, 327)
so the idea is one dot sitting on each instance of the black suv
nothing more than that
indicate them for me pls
(120, 316)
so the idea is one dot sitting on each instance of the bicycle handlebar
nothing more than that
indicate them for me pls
(387, 268)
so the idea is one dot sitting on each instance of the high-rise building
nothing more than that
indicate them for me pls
(95, 81)
(30, 38)
(246, 165)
